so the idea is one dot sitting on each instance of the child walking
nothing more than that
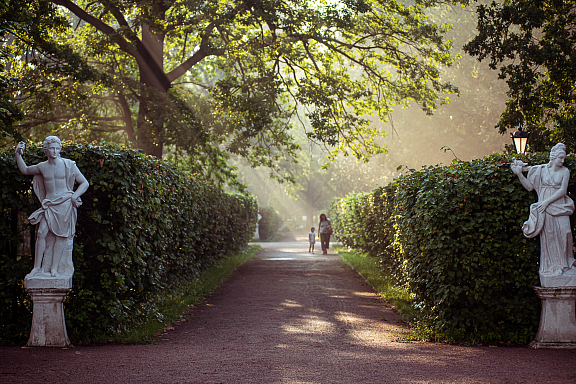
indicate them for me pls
(312, 238)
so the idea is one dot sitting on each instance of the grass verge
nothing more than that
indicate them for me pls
(175, 303)
(368, 268)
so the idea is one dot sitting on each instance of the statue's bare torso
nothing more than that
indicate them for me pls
(54, 176)
(53, 172)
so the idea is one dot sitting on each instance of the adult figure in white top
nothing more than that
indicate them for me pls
(325, 229)
(53, 184)
(550, 216)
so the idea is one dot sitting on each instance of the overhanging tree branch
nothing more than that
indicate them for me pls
(202, 52)
(156, 76)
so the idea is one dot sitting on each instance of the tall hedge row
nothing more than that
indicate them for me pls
(269, 223)
(143, 228)
(455, 234)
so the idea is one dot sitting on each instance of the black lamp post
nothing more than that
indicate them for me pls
(520, 139)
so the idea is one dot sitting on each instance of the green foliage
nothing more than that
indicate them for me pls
(244, 69)
(365, 221)
(533, 44)
(349, 220)
(9, 112)
(29, 39)
(458, 233)
(144, 228)
(457, 239)
(269, 223)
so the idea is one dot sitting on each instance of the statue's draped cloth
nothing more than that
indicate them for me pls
(60, 216)
(553, 225)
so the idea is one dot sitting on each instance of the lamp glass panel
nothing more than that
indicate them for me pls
(520, 144)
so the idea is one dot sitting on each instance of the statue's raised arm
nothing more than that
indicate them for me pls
(518, 167)
(26, 170)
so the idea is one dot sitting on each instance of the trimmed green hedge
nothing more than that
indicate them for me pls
(144, 227)
(364, 221)
(269, 223)
(455, 234)
(351, 220)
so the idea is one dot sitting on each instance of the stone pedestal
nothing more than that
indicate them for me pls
(48, 324)
(558, 318)
(566, 279)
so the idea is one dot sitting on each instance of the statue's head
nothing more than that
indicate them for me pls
(52, 145)
(52, 139)
(557, 150)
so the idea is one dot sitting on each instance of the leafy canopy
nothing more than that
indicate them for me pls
(234, 73)
(28, 31)
(532, 43)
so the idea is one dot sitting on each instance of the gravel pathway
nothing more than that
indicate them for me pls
(288, 316)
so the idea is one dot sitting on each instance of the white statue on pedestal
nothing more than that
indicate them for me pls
(53, 184)
(550, 217)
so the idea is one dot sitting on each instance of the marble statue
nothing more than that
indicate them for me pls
(54, 186)
(550, 217)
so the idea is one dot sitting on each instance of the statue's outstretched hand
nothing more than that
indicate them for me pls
(517, 166)
(20, 148)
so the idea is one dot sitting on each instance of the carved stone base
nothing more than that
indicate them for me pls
(48, 325)
(558, 318)
(567, 279)
(534, 344)
(43, 281)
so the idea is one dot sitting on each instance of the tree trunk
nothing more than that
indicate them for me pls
(150, 131)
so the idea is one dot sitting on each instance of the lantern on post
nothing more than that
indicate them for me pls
(520, 139)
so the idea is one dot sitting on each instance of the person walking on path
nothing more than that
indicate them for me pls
(312, 238)
(325, 230)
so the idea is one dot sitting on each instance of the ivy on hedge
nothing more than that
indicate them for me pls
(453, 234)
(144, 227)
(269, 223)
(364, 221)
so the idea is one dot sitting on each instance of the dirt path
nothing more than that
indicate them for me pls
(288, 317)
